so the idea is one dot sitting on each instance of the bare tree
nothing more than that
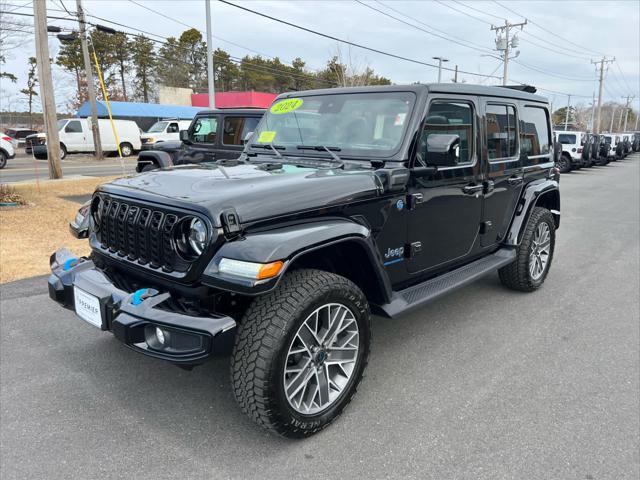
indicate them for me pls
(13, 34)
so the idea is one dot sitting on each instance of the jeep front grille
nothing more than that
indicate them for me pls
(140, 234)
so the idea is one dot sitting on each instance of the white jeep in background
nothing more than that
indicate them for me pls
(572, 145)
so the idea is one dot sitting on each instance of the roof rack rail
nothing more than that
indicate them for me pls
(522, 88)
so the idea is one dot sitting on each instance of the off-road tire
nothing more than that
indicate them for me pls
(262, 342)
(564, 164)
(148, 167)
(516, 275)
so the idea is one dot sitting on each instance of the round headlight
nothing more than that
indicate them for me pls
(197, 235)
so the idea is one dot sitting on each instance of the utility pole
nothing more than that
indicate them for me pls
(506, 43)
(455, 75)
(620, 119)
(593, 110)
(613, 115)
(626, 110)
(566, 114)
(600, 89)
(210, 78)
(440, 60)
(97, 143)
(46, 89)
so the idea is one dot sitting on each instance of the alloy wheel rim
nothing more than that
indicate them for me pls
(321, 359)
(540, 251)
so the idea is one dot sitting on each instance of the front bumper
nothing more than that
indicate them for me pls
(133, 318)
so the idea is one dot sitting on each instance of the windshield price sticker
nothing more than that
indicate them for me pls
(267, 136)
(286, 106)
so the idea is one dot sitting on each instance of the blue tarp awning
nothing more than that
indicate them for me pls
(135, 109)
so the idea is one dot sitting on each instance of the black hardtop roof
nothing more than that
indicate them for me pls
(453, 88)
(238, 111)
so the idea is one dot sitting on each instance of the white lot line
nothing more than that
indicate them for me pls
(69, 167)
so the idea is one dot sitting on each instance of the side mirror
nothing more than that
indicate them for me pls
(184, 136)
(247, 137)
(443, 150)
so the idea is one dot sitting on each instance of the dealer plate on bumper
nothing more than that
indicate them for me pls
(87, 307)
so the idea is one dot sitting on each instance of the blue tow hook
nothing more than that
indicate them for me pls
(140, 295)
(69, 263)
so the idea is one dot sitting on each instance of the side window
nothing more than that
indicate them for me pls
(501, 131)
(449, 118)
(73, 127)
(205, 130)
(534, 130)
(232, 131)
(172, 128)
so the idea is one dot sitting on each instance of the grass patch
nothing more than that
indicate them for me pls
(31, 233)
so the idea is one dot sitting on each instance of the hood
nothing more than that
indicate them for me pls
(254, 191)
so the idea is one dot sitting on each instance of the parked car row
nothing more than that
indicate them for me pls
(578, 149)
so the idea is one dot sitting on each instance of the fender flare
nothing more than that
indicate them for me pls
(150, 157)
(545, 192)
(289, 243)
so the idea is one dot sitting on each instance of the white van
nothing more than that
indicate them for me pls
(76, 136)
(163, 131)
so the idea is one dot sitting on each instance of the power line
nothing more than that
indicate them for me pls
(548, 31)
(622, 75)
(347, 42)
(447, 37)
(480, 11)
(546, 72)
(236, 60)
(463, 12)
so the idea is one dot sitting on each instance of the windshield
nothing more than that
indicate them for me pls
(356, 124)
(157, 127)
(61, 124)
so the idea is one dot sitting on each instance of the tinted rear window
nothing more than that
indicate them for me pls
(566, 138)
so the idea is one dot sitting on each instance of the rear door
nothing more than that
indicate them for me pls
(503, 169)
(234, 129)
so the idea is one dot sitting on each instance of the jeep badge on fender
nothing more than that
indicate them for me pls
(344, 202)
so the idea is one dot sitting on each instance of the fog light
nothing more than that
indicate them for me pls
(160, 336)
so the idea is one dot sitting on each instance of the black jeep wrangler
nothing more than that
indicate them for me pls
(213, 135)
(346, 202)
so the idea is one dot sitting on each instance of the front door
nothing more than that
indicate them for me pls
(204, 138)
(446, 207)
(503, 175)
(74, 136)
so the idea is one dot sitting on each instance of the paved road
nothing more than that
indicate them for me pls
(484, 384)
(25, 168)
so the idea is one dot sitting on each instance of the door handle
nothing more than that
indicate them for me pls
(515, 180)
(471, 189)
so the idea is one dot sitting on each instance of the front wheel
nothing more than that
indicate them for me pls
(534, 255)
(3, 159)
(300, 352)
(63, 151)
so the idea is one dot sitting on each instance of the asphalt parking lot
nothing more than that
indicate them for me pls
(484, 384)
(24, 167)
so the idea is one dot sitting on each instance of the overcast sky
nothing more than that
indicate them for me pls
(592, 28)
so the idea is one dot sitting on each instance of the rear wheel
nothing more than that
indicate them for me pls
(126, 149)
(63, 151)
(564, 163)
(149, 167)
(3, 159)
(300, 352)
(534, 255)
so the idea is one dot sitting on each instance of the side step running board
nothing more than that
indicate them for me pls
(419, 295)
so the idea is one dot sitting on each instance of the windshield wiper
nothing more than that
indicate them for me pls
(320, 148)
(271, 146)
